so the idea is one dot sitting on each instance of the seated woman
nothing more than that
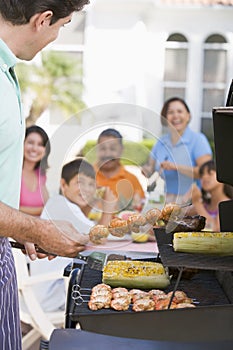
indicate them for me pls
(34, 193)
(205, 201)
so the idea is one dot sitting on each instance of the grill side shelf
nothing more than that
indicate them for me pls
(171, 258)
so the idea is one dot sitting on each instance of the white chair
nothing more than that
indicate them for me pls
(31, 312)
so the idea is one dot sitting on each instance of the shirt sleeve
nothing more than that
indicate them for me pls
(201, 146)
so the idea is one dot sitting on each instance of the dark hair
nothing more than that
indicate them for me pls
(111, 133)
(210, 166)
(166, 106)
(19, 12)
(77, 166)
(43, 163)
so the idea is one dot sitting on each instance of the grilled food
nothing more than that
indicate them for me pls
(170, 211)
(98, 234)
(101, 297)
(118, 227)
(153, 215)
(135, 274)
(135, 221)
(143, 304)
(186, 224)
(204, 242)
(120, 299)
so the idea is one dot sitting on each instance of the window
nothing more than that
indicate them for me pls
(213, 80)
(175, 73)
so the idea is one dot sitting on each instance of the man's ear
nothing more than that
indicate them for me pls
(39, 20)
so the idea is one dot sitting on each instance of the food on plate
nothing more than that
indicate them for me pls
(220, 243)
(170, 210)
(186, 224)
(125, 214)
(101, 297)
(98, 234)
(135, 221)
(135, 274)
(152, 216)
(118, 227)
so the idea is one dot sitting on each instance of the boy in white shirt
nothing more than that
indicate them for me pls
(78, 189)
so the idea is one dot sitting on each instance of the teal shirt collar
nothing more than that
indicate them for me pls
(7, 58)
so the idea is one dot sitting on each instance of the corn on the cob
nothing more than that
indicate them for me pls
(135, 274)
(204, 242)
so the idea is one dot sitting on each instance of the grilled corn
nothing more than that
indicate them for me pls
(135, 274)
(204, 242)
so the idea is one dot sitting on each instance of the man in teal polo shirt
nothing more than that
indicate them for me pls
(25, 28)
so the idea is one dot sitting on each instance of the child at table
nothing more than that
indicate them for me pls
(205, 201)
(78, 188)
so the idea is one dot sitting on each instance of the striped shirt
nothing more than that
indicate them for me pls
(11, 155)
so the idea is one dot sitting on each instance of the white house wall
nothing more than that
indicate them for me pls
(125, 46)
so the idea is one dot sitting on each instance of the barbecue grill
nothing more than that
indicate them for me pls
(210, 282)
(212, 319)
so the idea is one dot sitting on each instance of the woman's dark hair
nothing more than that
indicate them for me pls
(19, 12)
(210, 166)
(77, 166)
(164, 110)
(111, 133)
(43, 164)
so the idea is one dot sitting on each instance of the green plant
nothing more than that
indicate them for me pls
(54, 82)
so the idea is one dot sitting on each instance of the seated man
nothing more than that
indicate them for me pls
(110, 172)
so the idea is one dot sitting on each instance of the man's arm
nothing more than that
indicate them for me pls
(57, 237)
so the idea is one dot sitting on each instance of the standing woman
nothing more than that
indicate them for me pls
(34, 193)
(178, 154)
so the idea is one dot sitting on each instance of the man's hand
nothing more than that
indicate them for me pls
(55, 237)
(31, 251)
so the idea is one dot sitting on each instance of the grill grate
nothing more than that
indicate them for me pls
(203, 287)
(199, 261)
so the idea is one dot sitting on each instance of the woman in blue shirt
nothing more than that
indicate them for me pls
(178, 155)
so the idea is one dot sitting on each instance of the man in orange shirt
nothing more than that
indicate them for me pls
(111, 173)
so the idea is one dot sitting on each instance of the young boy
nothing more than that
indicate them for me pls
(78, 189)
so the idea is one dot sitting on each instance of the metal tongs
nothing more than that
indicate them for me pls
(95, 260)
